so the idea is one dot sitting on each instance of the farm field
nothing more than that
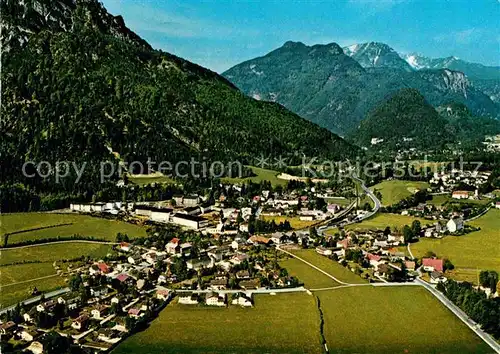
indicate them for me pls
(311, 278)
(284, 323)
(395, 190)
(262, 174)
(44, 255)
(294, 221)
(479, 249)
(382, 220)
(84, 225)
(329, 266)
(14, 294)
(389, 320)
(54, 252)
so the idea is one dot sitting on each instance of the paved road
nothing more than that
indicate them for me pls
(253, 291)
(462, 315)
(409, 251)
(37, 298)
(478, 216)
(372, 196)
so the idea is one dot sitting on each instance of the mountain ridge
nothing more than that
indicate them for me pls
(335, 91)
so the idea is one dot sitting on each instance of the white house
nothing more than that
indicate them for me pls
(188, 299)
(242, 300)
(199, 263)
(460, 195)
(455, 224)
(163, 294)
(324, 251)
(216, 300)
(437, 277)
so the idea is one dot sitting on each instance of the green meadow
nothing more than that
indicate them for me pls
(51, 225)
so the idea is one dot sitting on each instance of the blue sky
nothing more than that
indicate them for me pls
(220, 34)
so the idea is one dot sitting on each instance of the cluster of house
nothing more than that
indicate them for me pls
(492, 143)
(384, 258)
(94, 322)
(447, 181)
(282, 206)
(136, 285)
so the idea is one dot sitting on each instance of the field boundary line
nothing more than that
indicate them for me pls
(62, 241)
(37, 229)
(29, 280)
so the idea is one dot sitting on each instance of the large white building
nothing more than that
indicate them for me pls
(191, 221)
(88, 208)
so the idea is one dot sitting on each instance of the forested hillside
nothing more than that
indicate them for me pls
(407, 119)
(79, 86)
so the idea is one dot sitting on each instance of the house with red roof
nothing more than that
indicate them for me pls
(163, 294)
(125, 246)
(173, 247)
(123, 277)
(374, 259)
(134, 312)
(103, 268)
(410, 265)
(433, 264)
(345, 243)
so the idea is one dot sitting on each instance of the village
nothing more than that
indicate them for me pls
(220, 255)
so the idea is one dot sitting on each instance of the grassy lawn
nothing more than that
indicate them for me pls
(329, 266)
(395, 190)
(480, 249)
(339, 201)
(285, 323)
(438, 200)
(294, 221)
(262, 174)
(80, 224)
(20, 272)
(382, 220)
(157, 177)
(311, 277)
(54, 252)
(393, 320)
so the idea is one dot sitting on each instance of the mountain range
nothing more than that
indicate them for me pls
(336, 87)
(79, 86)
